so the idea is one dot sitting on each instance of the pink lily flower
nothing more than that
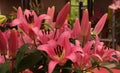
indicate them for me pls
(83, 61)
(99, 26)
(61, 17)
(103, 53)
(51, 25)
(28, 21)
(45, 35)
(10, 42)
(29, 18)
(83, 56)
(48, 33)
(59, 51)
(82, 31)
(115, 5)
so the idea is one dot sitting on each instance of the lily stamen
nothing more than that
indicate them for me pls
(29, 19)
(58, 50)
(46, 32)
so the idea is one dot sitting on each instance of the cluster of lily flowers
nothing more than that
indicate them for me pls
(57, 39)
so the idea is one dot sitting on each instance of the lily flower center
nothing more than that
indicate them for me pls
(59, 52)
(30, 19)
(46, 32)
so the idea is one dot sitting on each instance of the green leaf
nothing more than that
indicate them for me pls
(29, 60)
(4, 68)
(21, 53)
(56, 71)
(68, 64)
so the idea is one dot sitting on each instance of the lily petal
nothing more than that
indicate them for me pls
(48, 48)
(85, 22)
(99, 26)
(13, 42)
(44, 48)
(87, 36)
(15, 22)
(41, 17)
(72, 55)
(64, 41)
(27, 13)
(97, 56)
(113, 6)
(50, 12)
(19, 18)
(19, 13)
(3, 43)
(37, 22)
(51, 66)
(62, 15)
(76, 32)
(88, 46)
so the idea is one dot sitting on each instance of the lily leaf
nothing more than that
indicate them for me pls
(21, 53)
(4, 68)
(29, 61)
(28, 58)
